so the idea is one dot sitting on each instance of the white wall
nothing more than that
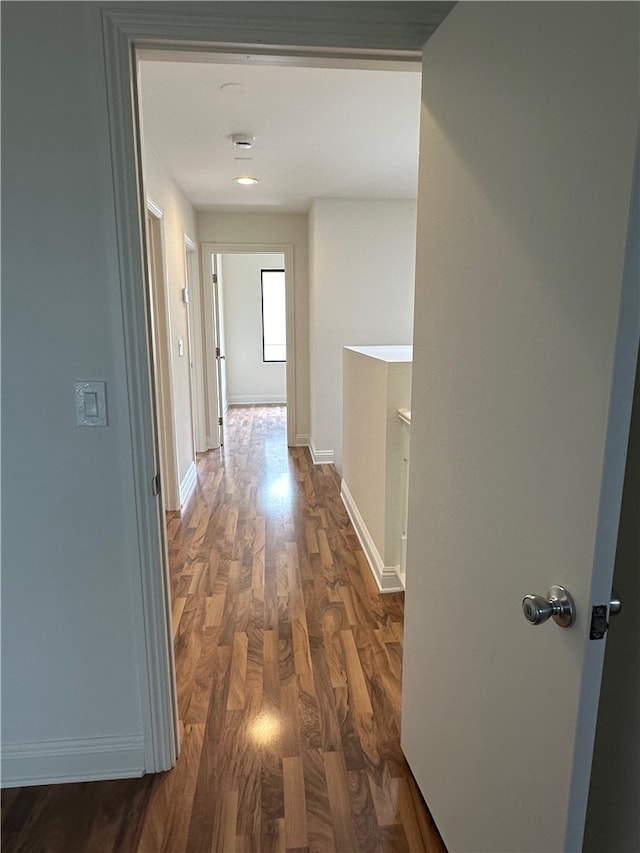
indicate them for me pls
(249, 378)
(70, 565)
(362, 271)
(178, 220)
(280, 228)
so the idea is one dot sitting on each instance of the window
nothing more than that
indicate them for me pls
(274, 316)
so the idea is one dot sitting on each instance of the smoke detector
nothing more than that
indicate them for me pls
(242, 140)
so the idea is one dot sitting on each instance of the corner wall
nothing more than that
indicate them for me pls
(362, 270)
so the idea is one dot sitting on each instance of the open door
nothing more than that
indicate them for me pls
(526, 334)
(161, 359)
(213, 354)
(220, 343)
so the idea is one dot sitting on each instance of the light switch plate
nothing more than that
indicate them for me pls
(91, 403)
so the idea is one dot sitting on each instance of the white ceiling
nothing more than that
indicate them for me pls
(319, 132)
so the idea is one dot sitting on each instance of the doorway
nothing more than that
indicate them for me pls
(160, 355)
(303, 136)
(125, 33)
(233, 331)
(194, 340)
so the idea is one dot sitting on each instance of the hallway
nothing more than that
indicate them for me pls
(289, 680)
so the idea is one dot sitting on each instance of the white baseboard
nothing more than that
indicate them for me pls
(320, 457)
(257, 399)
(188, 484)
(386, 577)
(302, 440)
(80, 760)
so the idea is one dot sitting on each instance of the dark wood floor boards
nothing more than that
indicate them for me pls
(288, 678)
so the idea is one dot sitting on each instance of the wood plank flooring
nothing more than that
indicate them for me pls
(289, 681)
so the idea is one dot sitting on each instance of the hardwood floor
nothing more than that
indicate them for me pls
(289, 672)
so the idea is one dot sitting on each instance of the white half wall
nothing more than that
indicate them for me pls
(248, 378)
(362, 270)
(376, 383)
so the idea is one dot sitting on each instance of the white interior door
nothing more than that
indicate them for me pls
(213, 410)
(526, 330)
(161, 358)
(195, 342)
(221, 348)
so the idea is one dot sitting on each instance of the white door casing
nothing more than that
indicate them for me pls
(210, 335)
(209, 251)
(194, 330)
(209, 27)
(161, 356)
(220, 336)
(524, 356)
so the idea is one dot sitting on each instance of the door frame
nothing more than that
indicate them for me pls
(220, 341)
(194, 341)
(353, 42)
(161, 350)
(286, 249)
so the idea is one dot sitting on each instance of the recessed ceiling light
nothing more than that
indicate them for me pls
(234, 88)
(246, 180)
(242, 140)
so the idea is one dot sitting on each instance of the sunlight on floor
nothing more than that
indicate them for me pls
(280, 487)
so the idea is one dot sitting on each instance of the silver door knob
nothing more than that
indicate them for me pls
(558, 605)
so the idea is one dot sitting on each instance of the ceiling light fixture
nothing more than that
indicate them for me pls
(242, 140)
(246, 180)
